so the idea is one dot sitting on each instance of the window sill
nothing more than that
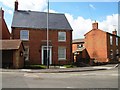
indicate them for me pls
(62, 59)
(62, 41)
(26, 40)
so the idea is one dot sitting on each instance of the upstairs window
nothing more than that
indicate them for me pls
(24, 35)
(111, 41)
(116, 41)
(62, 36)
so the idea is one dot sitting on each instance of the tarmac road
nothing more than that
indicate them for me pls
(88, 79)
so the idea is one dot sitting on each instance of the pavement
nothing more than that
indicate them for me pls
(63, 70)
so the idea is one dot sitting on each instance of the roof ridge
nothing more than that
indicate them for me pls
(39, 12)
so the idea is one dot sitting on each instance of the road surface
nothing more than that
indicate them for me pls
(88, 79)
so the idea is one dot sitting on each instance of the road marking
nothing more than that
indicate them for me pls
(26, 70)
(114, 75)
(69, 87)
(31, 75)
(75, 74)
(95, 74)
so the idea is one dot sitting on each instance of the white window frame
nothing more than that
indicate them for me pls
(45, 48)
(117, 51)
(21, 36)
(59, 58)
(116, 41)
(61, 33)
(26, 53)
(111, 40)
(111, 54)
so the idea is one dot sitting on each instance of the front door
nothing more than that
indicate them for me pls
(44, 55)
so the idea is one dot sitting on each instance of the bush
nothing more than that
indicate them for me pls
(35, 67)
(69, 66)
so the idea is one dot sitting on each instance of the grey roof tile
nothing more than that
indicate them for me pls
(38, 20)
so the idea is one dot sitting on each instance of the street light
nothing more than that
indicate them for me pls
(48, 36)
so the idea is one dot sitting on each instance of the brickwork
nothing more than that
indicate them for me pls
(37, 39)
(5, 34)
(97, 44)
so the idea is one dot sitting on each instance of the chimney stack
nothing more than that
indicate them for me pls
(114, 32)
(95, 25)
(1, 13)
(16, 5)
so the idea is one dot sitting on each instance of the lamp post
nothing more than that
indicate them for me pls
(48, 36)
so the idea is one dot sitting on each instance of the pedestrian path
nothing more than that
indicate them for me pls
(62, 70)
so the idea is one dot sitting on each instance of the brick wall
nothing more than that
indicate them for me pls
(113, 47)
(37, 38)
(5, 34)
(96, 45)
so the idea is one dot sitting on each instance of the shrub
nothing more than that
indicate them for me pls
(69, 66)
(35, 66)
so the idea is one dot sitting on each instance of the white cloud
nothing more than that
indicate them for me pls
(110, 23)
(93, 7)
(36, 5)
(8, 3)
(81, 26)
(50, 11)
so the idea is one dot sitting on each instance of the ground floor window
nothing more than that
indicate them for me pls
(111, 54)
(61, 53)
(26, 53)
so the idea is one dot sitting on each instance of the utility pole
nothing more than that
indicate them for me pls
(48, 36)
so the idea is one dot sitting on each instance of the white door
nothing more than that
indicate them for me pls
(44, 55)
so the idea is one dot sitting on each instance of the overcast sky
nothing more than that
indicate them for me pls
(80, 14)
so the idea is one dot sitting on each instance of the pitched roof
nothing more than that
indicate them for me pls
(38, 20)
(101, 31)
(94, 30)
(78, 41)
(10, 44)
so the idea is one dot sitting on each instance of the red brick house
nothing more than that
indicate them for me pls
(79, 51)
(77, 44)
(11, 51)
(4, 32)
(102, 46)
(31, 28)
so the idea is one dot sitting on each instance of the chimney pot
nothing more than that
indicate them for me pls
(2, 13)
(95, 25)
(16, 5)
(114, 32)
